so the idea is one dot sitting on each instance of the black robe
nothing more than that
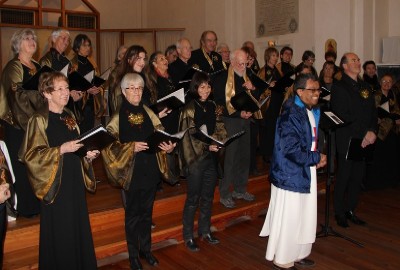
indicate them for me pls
(65, 235)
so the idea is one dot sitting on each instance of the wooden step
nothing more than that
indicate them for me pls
(22, 241)
(21, 245)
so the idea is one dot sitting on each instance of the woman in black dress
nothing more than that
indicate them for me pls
(59, 177)
(130, 166)
(16, 106)
(92, 105)
(160, 84)
(384, 170)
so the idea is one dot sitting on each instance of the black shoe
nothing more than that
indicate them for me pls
(304, 263)
(341, 221)
(191, 245)
(149, 257)
(136, 264)
(353, 218)
(210, 239)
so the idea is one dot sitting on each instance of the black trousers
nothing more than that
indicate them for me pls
(138, 213)
(28, 205)
(201, 183)
(348, 184)
(237, 158)
(254, 135)
(3, 227)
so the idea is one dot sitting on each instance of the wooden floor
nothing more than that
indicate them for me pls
(242, 248)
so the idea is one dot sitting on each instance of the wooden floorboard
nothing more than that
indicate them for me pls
(242, 248)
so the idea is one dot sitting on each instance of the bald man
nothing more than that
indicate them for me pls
(237, 155)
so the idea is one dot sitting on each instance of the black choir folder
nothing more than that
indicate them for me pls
(284, 82)
(159, 136)
(33, 82)
(84, 83)
(356, 153)
(384, 112)
(171, 101)
(205, 137)
(95, 139)
(245, 102)
(330, 121)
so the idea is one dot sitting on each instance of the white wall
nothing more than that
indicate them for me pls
(356, 25)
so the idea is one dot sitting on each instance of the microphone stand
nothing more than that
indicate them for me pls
(327, 230)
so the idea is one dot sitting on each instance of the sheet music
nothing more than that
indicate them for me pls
(179, 94)
(89, 77)
(64, 70)
(334, 118)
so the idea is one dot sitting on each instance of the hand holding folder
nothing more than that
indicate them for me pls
(95, 139)
(203, 136)
(160, 136)
(244, 101)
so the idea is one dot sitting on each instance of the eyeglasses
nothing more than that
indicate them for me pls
(318, 90)
(386, 81)
(134, 89)
(244, 64)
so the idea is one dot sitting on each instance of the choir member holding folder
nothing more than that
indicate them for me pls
(198, 160)
(59, 178)
(57, 60)
(16, 106)
(159, 83)
(129, 166)
(237, 154)
(384, 171)
(92, 105)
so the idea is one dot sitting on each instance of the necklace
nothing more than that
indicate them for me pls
(30, 66)
(204, 108)
(83, 63)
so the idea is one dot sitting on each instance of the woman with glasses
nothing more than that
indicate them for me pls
(384, 170)
(16, 106)
(129, 166)
(59, 178)
(307, 59)
(92, 104)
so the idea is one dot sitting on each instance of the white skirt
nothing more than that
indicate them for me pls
(291, 223)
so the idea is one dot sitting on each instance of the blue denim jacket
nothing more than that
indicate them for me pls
(292, 155)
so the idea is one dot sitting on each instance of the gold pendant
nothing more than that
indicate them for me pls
(32, 71)
(69, 122)
(364, 93)
(135, 119)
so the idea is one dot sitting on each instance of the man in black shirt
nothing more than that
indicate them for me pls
(178, 69)
(353, 101)
(206, 58)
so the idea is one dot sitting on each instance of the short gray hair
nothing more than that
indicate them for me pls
(18, 36)
(56, 33)
(131, 78)
(222, 45)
